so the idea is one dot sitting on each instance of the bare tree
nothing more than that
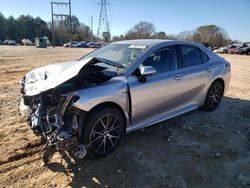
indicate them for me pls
(142, 30)
(160, 35)
(85, 33)
(171, 37)
(185, 35)
(210, 35)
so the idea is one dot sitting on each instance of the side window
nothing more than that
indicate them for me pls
(162, 60)
(204, 57)
(191, 56)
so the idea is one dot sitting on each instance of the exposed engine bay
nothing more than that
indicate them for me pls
(51, 113)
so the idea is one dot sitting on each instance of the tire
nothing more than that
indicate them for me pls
(103, 131)
(213, 97)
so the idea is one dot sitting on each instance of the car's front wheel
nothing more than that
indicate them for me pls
(213, 97)
(103, 130)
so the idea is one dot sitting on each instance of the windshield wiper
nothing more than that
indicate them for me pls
(109, 62)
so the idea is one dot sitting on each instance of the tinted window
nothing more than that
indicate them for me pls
(191, 56)
(204, 57)
(162, 60)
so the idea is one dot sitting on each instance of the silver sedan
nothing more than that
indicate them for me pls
(86, 106)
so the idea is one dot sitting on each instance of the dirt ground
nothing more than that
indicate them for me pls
(195, 150)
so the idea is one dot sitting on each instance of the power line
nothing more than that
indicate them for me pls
(103, 26)
(67, 14)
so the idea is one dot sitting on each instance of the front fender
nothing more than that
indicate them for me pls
(114, 91)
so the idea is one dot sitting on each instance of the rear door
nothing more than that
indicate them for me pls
(194, 72)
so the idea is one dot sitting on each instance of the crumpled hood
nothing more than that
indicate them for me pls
(51, 76)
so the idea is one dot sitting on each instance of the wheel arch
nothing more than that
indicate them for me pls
(219, 79)
(110, 105)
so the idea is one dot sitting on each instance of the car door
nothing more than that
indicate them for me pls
(194, 71)
(161, 92)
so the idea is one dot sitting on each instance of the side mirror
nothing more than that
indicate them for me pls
(147, 70)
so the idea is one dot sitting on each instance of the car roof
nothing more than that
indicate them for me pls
(148, 42)
(153, 42)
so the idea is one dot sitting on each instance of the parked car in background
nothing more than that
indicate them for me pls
(91, 45)
(75, 44)
(89, 104)
(27, 42)
(98, 45)
(221, 50)
(94, 45)
(244, 51)
(80, 45)
(236, 50)
(231, 49)
(66, 45)
(215, 48)
(10, 42)
(246, 44)
(6, 42)
(212, 48)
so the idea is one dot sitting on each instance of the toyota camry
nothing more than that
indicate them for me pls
(86, 106)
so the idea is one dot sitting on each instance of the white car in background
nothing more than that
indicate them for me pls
(221, 50)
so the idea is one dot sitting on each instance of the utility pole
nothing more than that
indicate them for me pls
(92, 33)
(67, 14)
(53, 27)
(103, 25)
(70, 24)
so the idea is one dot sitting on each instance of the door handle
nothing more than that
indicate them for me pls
(209, 70)
(179, 77)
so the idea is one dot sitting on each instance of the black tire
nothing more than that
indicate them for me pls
(103, 131)
(213, 97)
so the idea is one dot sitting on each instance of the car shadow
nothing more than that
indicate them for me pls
(146, 158)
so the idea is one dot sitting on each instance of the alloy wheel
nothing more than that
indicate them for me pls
(215, 95)
(105, 134)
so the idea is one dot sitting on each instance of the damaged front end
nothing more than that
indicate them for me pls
(48, 95)
(52, 116)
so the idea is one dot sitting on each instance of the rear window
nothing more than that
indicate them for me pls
(204, 57)
(191, 56)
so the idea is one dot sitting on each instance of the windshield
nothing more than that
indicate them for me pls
(124, 54)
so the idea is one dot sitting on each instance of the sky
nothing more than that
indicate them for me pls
(170, 16)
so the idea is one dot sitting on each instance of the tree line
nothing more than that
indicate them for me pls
(28, 27)
(79, 31)
(22, 27)
(209, 35)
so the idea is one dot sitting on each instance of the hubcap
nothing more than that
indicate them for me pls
(105, 134)
(215, 95)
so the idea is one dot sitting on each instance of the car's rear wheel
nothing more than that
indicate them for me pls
(213, 97)
(104, 130)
